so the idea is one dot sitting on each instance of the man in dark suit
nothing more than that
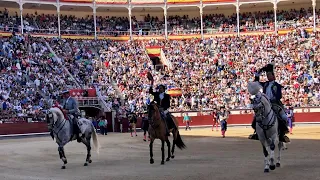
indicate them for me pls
(163, 100)
(273, 91)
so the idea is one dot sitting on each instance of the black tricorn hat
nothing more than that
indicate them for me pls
(269, 68)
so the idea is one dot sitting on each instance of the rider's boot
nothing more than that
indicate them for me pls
(167, 129)
(253, 136)
(76, 132)
(283, 131)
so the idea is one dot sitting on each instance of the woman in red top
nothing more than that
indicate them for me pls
(215, 119)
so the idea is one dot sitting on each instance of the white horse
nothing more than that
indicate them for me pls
(266, 126)
(62, 130)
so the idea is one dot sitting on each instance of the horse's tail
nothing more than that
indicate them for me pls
(95, 140)
(180, 144)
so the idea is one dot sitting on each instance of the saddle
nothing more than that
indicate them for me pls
(64, 114)
(168, 118)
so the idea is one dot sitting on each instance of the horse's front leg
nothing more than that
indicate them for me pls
(62, 157)
(88, 145)
(280, 146)
(162, 152)
(266, 159)
(169, 154)
(272, 148)
(151, 150)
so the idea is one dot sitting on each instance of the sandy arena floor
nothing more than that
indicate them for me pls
(208, 156)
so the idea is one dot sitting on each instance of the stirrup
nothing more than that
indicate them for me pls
(284, 139)
(253, 136)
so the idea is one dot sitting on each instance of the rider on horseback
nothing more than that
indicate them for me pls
(273, 91)
(163, 100)
(70, 108)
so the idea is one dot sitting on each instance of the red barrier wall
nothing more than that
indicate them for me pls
(22, 128)
(205, 120)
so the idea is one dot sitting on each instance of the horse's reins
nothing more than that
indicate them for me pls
(272, 120)
(56, 133)
(152, 123)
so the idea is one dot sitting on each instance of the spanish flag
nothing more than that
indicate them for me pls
(175, 92)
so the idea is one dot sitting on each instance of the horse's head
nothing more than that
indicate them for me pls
(261, 106)
(53, 115)
(254, 87)
(50, 119)
(153, 112)
(257, 106)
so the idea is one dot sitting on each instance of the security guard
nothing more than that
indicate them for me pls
(272, 89)
(70, 108)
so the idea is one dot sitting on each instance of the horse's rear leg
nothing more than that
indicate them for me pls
(151, 150)
(162, 152)
(62, 157)
(174, 132)
(280, 146)
(266, 159)
(88, 145)
(169, 154)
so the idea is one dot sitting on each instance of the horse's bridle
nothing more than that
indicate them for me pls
(49, 117)
(259, 110)
(51, 125)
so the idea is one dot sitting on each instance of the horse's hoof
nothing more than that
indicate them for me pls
(151, 161)
(63, 167)
(266, 170)
(278, 165)
(162, 162)
(90, 161)
(168, 159)
(272, 167)
(172, 157)
(85, 164)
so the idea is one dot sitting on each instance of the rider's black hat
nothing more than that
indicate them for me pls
(161, 85)
(65, 91)
(269, 68)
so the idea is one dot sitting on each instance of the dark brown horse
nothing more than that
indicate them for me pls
(157, 130)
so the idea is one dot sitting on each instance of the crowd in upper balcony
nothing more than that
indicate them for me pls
(151, 25)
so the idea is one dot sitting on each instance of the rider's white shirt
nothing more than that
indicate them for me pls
(269, 90)
(161, 96)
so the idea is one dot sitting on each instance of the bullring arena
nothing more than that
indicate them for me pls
(208, 156)
(164, 35)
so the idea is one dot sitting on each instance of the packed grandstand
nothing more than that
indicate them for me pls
(208, 72)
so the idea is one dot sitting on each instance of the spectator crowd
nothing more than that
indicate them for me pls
(210, 72)
(151, 25)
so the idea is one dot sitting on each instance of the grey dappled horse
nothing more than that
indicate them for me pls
(62, 131)
(266, 126)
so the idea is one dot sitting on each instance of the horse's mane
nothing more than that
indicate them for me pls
(57, 113)
(157, 112)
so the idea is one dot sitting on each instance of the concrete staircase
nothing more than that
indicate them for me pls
(118, 92)
(65, 69)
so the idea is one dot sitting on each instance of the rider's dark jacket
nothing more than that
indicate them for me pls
(275, 89)
(164, 103)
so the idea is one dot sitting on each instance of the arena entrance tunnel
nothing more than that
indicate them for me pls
(91, 111)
